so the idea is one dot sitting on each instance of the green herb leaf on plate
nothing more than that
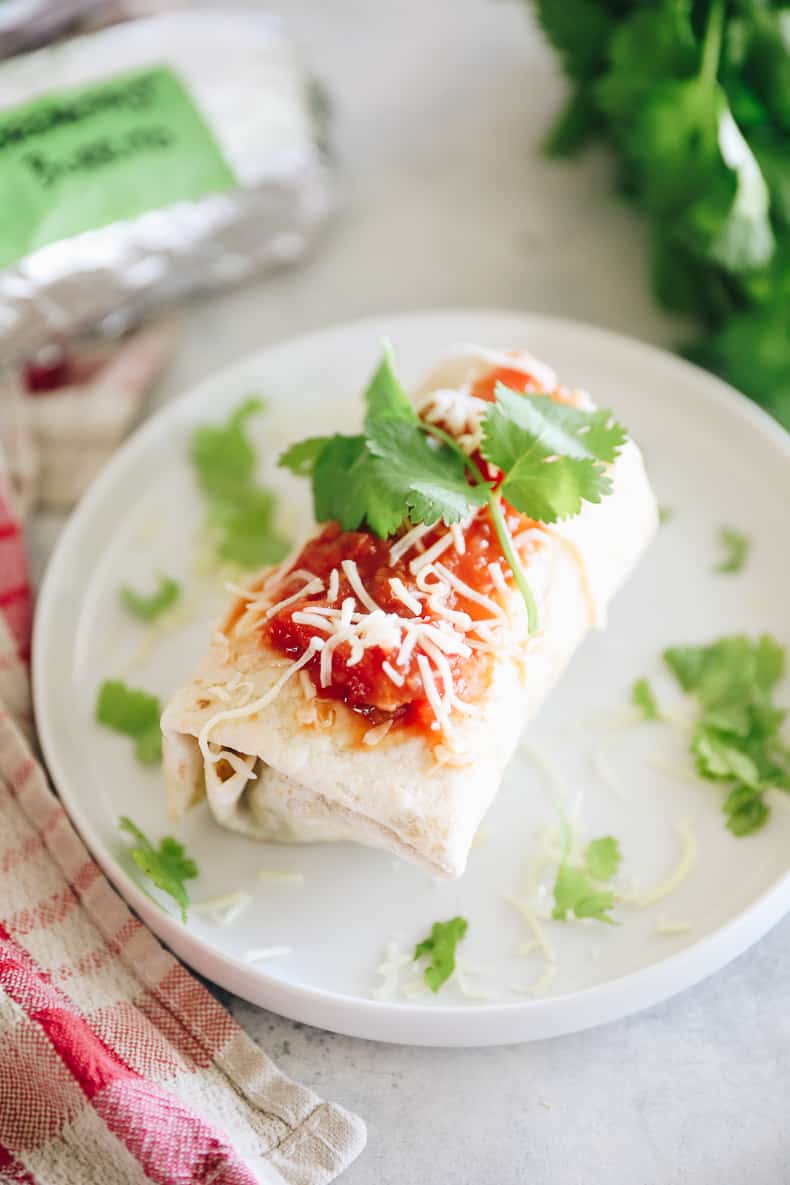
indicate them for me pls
(642, 697)
(737, 737)
(602, 857)
(134, 713)
(736, 547)
(148, 608)
(167, 866)
(440, 948)
(241, 513)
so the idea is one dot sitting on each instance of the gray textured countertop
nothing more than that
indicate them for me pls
(438, 112)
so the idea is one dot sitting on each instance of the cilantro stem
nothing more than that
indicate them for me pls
(497, 518)
(506, 543)
(470, 463)
(711, 49)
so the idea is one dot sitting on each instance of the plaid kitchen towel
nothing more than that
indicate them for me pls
(65, 413)
(116, 1066)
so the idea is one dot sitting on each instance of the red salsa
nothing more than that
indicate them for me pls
(365, 686)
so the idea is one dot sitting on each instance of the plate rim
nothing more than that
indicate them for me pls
(451, 1025)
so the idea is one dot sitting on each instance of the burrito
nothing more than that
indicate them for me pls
(373, 689)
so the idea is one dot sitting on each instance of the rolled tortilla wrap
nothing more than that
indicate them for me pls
(282, 759)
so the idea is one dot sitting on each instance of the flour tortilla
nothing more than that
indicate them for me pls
(297, 781)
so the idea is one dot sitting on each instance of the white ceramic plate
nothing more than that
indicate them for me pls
(713, 457)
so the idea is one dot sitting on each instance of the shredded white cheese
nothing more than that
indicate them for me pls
(665, 926)
(401, 546)
(351, 572)
(256, 955)
(377, 733)
(223, 910)
(257, 705)
(392, 674)
(395, 959)
(540, 942)
(276, 876)
(434, 551)
(333, 591)
(468, 592)
(400, 591)
(314, 586)
(687, 860)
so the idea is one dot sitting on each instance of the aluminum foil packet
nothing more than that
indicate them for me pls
(25, 23)
(149, 159)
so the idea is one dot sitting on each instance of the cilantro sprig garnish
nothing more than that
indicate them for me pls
(578, 885)
(241, 513)
(147, 607)
(737, 739)
(134, 713)
(440, 947)
(400, 470)
(167, 866)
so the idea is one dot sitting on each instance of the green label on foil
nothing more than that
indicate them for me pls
(76, 160)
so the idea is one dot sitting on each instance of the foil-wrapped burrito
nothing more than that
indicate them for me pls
(148, 159)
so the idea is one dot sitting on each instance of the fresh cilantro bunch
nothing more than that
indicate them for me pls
(440, 947)
(240, 511)
(737, 738)
(402, 471)
(694, 97)
(167, 866)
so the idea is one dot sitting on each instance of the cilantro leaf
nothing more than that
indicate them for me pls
(429, 479)
(302, 457)
(767, 62)
(148, 608)
(602, 857)
(642, 697)
(579, 30)
(240, 512)
(167, 867)
(347, 489)
(550, 491)
(223, 455)
(631, 73)
(576, 124)
(385, 398)
(575, 893)
(750, 350)
(577, 886)
(515, 424)
(247, 535)
(736, 739)
(672, 144)
(736, 546)
(550, 453)
(440, 947)
(745, 811)
(134, 713)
